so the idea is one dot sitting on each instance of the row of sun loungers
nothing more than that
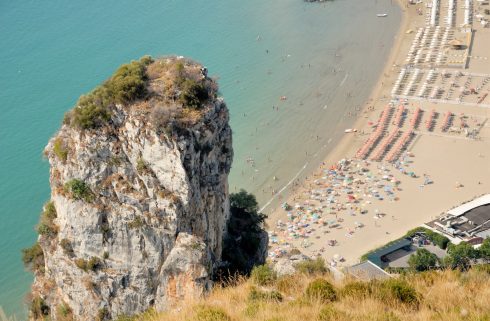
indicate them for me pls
(415, 119)
(446, 121)
(385, 144)
(451, 12)
(397, 149)
(376, 135)
(434, 12)
(430, 120)
(468, 9)
(399, 116)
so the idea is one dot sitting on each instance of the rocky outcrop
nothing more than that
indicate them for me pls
(141, 195)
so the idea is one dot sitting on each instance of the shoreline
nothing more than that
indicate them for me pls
(436, 155)
(347, 141)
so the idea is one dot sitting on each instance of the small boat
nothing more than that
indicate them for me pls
(350, 130)
(382, 15)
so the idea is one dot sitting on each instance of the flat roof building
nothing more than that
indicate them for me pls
(468, 222)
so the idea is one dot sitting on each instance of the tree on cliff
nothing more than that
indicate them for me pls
(245, 234)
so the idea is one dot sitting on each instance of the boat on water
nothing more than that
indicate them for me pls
(382, 15)
(350, 130)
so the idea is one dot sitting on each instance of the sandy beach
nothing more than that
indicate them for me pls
(422, 144)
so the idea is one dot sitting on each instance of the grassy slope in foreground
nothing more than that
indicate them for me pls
(435, 295)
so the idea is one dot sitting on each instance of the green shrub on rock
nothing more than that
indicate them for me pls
(92, 110)
(33, 258)
(193, 93)
(60, 149)
(93, 264)
(126, 85)
(78, 190)
(46, 224)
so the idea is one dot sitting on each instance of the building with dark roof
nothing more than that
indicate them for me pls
(378, 256)
(469, 222)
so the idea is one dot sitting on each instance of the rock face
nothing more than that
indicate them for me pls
(140, 208)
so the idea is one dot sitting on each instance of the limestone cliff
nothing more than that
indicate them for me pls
(139, 190)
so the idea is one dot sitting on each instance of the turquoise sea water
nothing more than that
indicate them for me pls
(53, 51)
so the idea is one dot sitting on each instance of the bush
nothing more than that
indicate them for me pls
(461, 256)
(321, 289)
(136, 223)
(193, 93)
(60, 150)
(316, 266)
(33, 258)
(263, 275)
(398, 290)
(241, 247)
(356, 289)
(245, 201)
(93, 264)
(38, 308)
(328, 313)
(92, 110)
(257, 295)
(67, 247)
(485, 250)
(205, 313)
(79, 190)
(46, 225)
(126, 85)
(423, 260)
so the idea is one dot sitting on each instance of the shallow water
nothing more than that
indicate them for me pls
(53, 51)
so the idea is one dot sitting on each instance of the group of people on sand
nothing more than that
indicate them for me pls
(339, 198)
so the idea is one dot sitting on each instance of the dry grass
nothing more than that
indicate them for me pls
(446, 295)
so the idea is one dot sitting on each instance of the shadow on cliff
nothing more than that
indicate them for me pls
(245, 243)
